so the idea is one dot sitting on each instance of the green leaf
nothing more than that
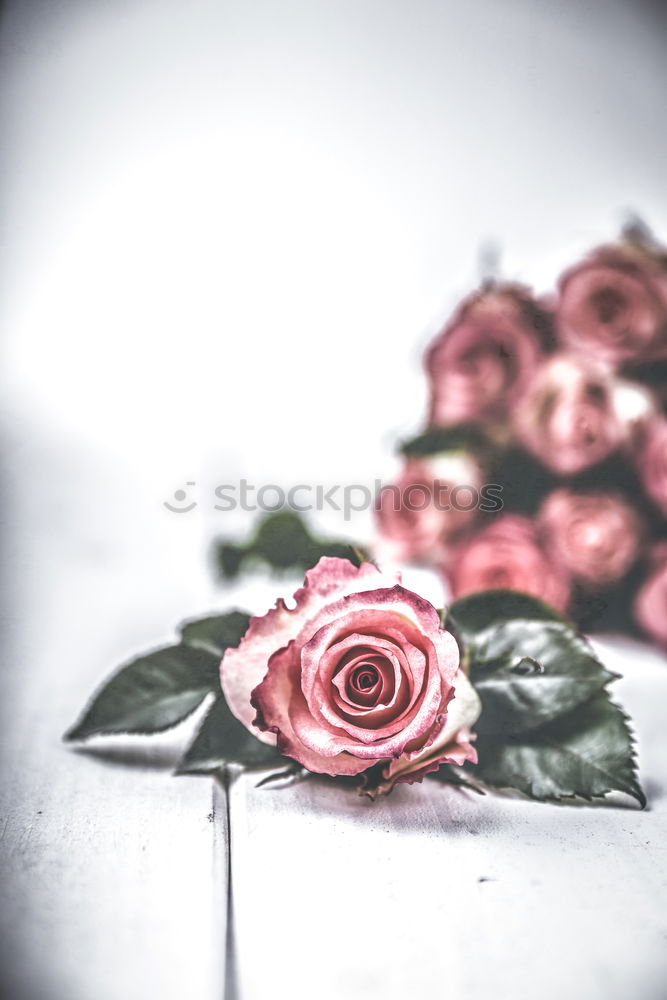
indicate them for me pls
(478, 611)
(528, 673)
(221, 740)
(547, 727)
(284, 541)
(435, 440)
(450, 774)
(217, 632)
(291, 772)
(150, 694)
(584, 754)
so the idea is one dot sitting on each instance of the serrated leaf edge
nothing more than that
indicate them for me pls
(637, 793)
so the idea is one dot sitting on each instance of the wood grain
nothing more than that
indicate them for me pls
(113, 879)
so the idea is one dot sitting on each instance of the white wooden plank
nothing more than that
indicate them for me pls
(434, 891)
(113, 883)
(110, 884)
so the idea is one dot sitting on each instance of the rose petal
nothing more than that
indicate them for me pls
(330, 662)
(568, 418)
(650, 605)
(271, 700)
(507, 554)
(481, 363)
(652, 461)
(347, 680)
(452, 744)
(362, 609)
(398, 715)
(612, 305)
(408, 664)
(242, 669)
(318, 733)
(596, 535)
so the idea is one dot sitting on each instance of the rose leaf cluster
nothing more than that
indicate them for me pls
(361, 678)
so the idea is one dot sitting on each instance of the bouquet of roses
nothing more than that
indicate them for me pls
(557, 405)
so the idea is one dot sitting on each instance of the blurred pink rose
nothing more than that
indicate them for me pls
(430, 503)
(484, 358)
(359, 672)
(595, 535)
(613, 305)
(651, 600)
(569, 418)
(506, 555)
(652, 461)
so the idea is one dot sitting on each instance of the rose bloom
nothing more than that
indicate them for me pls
(652, 461)
(483, 360)
(506, 555)
(595, 535)
(569, 417)
(431, 502)
(651, 600)
(359, 672)
(613, 305)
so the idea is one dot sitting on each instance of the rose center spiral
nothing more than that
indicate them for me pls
(609, 304)
(364, 677)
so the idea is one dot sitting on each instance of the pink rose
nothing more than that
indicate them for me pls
(358, 672)
(569, 418)
(430, 503)
(506, 555)
(613, 305)
(483, 360)
(652, 462)
(651, 600)
(595, 535)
